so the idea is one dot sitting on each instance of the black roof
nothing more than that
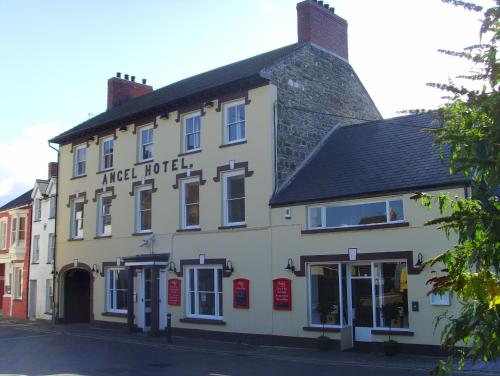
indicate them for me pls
(168, 97)
(24, 199)
(372, 158)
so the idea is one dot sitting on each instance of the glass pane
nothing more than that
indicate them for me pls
(146, 220)
(232, 132)
(191, 279)
(146, 199)
(111, 279)
(192, 193)
(315, 219)
(362, 302)
(396, 210)
(220, 304)
(191, 299)
(240, 112)
(392, 295)
(192, 215)
(236, 186)
(353, 215)
(206, 280)
(207, 303)
(189, 125)
(231, 114)
(241, 127)
(121, 299)
(196, 125)
(122, 279)
(361, 270)
(236, 210)
(325, 295)
(147, 151)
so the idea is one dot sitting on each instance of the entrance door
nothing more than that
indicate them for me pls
(77, 296)
(32, 300)
(362, 302)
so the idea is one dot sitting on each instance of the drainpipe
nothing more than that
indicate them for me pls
(54, 307)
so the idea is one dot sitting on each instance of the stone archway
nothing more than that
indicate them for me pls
(76, 293)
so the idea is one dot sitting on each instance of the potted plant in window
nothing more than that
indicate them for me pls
(324, 309)
(390, 312)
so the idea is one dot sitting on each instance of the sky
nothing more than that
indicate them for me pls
(56, 57)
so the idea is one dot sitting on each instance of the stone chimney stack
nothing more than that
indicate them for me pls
(52, 169)
(121, 90)
(317, 23)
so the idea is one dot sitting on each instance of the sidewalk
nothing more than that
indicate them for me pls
(370, 360)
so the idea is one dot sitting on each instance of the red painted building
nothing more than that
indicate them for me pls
(15, 245)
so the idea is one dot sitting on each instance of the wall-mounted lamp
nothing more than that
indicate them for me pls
(171, 267)
(119, 261)
(229, 267)
(352, 253)
(418, 264)
(289, 266)
(54, 272)
(95, 269)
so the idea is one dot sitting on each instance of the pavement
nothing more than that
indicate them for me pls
(41, 348)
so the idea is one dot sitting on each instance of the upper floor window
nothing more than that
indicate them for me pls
(21, 235)
(190, 203)
(146, 143)
(116, 290)
(77, 216)
(3, 236)
(235, 122)
(234, 198)
(18, 230)
(143, 209)
(52, 206)
(13, 230)
(51, 250)
(204, 292)
(38, 209)
(106, 153)
(80, 167)
(192, 132)
(104, 215)
(35, 249)
(333, 216)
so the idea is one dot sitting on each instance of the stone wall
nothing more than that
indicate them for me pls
(314, 86)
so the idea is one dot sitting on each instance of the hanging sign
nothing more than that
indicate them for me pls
(282, 294)
(241, 293)
(174, 291)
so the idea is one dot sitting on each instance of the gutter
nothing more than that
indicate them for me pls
(55, 241)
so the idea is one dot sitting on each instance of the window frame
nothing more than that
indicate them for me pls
(38, 209)
(225, 178)
(140, 155)
(35, 250)
(227, 106)
(218, 292)
(103, 155)
(18, 283)
(49, 295)
(101, 231)
(13, 230)
(51, 248)
(111, 296)
(184, 183)
(138, 191)
(3, 235)
(185, 118)
(76, 152)
(325, 206)
(74, 235)
(52, 207)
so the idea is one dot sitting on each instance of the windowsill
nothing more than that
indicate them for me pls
(356, 228)
(321, 329)
(143, 162)
(75, 239)
(104, 171)
(393, 332)
(35, 263)
(50, 262)
(52, 217)
(37, 220)
(193, 320)
(17, 299)
(114, 314)
(78, 177)
(142, 233)
(233, 144)
(102, 236)
(189, 152)
(230, 227)
(47, 313)
(194, 229)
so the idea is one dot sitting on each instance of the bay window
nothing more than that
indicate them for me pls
(116, 290)
(204, 292)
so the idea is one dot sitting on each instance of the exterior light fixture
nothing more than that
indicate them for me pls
(418, 264)
(353, 254)
(229, 267)
(171, 267)
(289, 266)
(54, 272)
(95, 269)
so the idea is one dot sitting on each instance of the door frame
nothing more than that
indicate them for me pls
(32, 298)
(364, 331)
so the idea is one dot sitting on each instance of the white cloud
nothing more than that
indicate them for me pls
(266, 6)
(25, 158)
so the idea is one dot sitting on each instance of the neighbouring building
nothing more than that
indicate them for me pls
(15, 235)
(41, 281)
(164, 203)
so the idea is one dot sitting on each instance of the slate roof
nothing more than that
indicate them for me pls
(371, 158)
(204, 82)
(24, 199)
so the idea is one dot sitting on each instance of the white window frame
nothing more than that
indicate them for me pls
(100, 215)
(226, 122)
(73, 233)
(52, 207)
(3, 236)
(217, 290)
(111, 294)
(323, 213)
(76, 153)
(184, 182)
(18, 283)
(185, 134)
(138, 191)
(51, 248)
(141, 145)
(38, 209)
(14, 223)
(103, 155)
(225, 198)
(49, 293)
(35, 250)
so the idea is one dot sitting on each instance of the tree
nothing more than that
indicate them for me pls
(471, 131)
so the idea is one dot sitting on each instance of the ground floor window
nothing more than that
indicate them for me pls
(204, 292)
(18, 283)
(49, 292)
(370, 294)
(116, 290)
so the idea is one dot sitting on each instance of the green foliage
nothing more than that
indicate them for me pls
(471, 131)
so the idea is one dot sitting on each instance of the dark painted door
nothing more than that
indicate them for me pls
(77, 296)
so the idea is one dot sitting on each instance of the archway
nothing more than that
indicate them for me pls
(77, 296)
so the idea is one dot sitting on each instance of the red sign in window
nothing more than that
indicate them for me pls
(241, 293)
(174, 291)
(282, 294)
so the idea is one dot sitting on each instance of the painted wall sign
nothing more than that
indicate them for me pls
(241, 293)
(282, 294)
(148, 170)
(174, 291)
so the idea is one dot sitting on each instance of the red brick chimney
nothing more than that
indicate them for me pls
(122, 89)
(52, 169)
(317, 23)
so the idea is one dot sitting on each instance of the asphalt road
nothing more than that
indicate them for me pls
(33, 350)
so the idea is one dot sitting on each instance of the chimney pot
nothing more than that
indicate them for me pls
(126, 77)
(121, 90)
(320, 2)
(144, 81)
(118, 74)
(327, 6)
(132, 78)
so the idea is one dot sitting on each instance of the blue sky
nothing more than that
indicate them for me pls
(56, 57)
